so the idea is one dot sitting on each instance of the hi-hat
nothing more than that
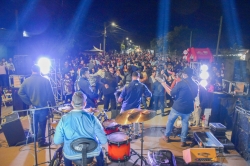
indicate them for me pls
(122, 118)
(141, 116)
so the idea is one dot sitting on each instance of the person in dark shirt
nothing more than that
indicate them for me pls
(158, 94)
(109, 88)
(184, 93)
(131, 95)
(36, 91)
(85, 87)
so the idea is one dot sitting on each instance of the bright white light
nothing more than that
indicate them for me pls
(126, 38)
(25, 34)
(204, 67)
(113, 24)
(204, 75)
(44, 64)
(203, 83)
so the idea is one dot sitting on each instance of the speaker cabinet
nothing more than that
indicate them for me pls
(23, 64)
(13, 129)
(18, 104)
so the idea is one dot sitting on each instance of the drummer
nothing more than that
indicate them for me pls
(131, 96)
(79, 124)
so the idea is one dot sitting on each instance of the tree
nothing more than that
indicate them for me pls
(176, 40)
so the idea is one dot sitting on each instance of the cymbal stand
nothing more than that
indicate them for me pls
(140, 157)
(102, 115)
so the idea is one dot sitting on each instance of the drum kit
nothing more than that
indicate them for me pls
(118, 150)
(119, 142)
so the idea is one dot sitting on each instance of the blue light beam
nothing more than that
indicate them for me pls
(163, 22)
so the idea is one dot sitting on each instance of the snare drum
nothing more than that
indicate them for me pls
(118, 147)
(110, 126)
(65, 109)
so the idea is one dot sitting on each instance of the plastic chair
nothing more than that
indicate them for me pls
(83, 145)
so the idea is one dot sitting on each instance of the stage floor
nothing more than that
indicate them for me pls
(24, 155)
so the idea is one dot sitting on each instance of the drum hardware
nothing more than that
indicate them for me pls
(102, 115)
(118, 147)
(110, 126)
(135, 116)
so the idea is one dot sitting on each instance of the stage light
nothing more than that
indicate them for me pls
(204, 75)
(204, 67)
(25, 34)
(203, 83)
(44, 64)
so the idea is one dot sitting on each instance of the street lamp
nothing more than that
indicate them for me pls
(105, 33)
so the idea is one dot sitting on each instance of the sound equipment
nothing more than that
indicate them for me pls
(240, 73)
(200, 155)
(13, 129)
(217, 129)
(225, 142)
(241, 132)
(23, 64)
(208, 140)
(18, 104)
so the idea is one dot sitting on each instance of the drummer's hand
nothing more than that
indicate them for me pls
(106, 86)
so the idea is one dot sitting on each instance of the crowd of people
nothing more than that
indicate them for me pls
(108, 74)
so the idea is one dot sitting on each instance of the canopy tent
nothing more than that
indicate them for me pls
(94, 50)
(198, 54)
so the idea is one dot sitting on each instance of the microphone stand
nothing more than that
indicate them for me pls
(35, 135)
(50, 115)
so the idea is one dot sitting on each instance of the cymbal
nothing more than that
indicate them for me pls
(122, 118)
(141, 116)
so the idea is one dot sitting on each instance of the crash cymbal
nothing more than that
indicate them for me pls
(122, 118)
(141, 116)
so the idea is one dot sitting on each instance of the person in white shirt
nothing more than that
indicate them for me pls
(3, 75)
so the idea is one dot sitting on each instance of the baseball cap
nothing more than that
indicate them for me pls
(188, 71)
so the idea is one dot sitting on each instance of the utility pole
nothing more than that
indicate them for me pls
(218, 42)
(190, 42)
(104, 38)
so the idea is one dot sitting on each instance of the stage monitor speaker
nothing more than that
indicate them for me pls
(18, 104)
(13, 129)
(200, 155)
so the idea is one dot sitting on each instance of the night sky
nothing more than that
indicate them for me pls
(139, 19)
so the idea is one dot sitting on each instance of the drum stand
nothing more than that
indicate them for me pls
(101, 115)
(133, 152)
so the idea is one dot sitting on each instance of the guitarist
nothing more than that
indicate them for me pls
(184, 93)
